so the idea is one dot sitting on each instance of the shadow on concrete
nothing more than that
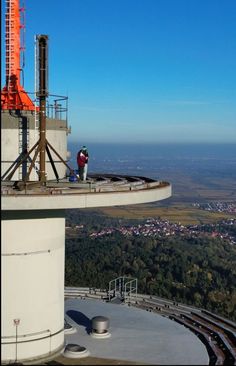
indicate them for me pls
(80, 319)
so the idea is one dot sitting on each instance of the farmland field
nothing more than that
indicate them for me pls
(179, 214)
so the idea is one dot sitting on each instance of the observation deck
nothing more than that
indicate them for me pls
(33, 237)
(98, 191)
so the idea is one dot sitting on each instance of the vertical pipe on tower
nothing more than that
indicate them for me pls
(42, 93)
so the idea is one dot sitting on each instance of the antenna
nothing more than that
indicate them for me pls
(42, 93)
(13, 95)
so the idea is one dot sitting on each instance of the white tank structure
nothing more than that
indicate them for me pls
(33, 251)
(20, 129)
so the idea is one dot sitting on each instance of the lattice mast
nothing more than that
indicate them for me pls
(13, 95)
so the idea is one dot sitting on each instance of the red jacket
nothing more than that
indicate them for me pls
(82, 159)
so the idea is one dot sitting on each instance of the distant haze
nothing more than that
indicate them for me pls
(154, 158)
(197, 172)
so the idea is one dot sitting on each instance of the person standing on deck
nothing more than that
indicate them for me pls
(82, 161)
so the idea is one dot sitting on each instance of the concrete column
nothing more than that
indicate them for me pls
(33, 253)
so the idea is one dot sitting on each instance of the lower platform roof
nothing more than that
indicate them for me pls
(136, 335)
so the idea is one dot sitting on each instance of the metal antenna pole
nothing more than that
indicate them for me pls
(42, 93)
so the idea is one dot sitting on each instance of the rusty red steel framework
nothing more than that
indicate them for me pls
(13, 95)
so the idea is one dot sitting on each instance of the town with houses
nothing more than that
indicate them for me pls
(228, 207)
(163, 228)
(156, 227)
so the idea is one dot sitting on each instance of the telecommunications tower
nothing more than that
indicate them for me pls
(35, 194)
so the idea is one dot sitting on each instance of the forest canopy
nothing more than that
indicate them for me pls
(196, 271)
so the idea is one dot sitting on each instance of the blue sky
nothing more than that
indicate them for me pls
(140, 70)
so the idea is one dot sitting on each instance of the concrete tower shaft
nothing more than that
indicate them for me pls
(33, 284)
(33, 218)
(33, 253)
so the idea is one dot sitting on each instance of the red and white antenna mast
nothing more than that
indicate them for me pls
(13, 95)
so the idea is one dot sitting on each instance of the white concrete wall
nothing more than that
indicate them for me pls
(10, 151)
(32, 284)
(10, 145)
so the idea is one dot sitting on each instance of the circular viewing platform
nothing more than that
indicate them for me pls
(98, 190)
